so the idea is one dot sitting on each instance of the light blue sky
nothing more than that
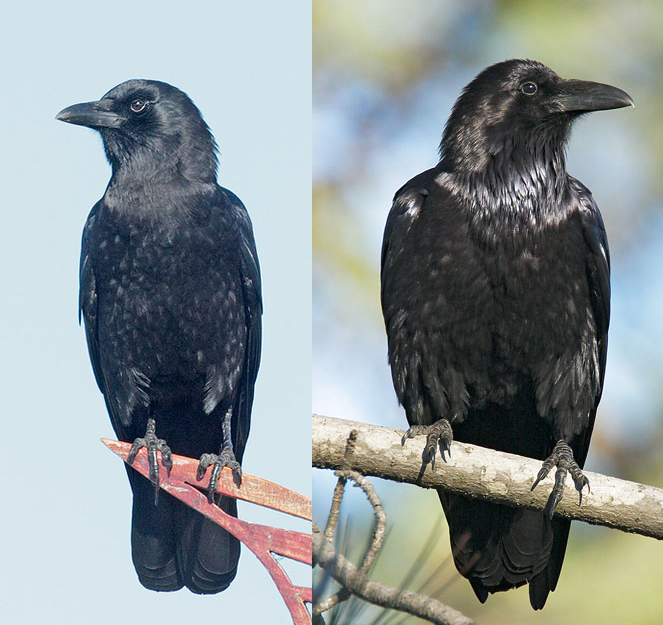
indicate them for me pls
(384, 88)
(66, 502)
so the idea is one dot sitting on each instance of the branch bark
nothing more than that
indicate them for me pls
(407, 601)
(485, 474)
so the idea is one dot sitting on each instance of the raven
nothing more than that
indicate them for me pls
(495, 289)
(171, 297)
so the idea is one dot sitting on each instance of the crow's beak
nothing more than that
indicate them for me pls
(90, 114)
(583, 96)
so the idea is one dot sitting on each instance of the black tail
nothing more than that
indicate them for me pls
(498, 547)
(173, 546)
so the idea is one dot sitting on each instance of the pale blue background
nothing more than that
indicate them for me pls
(64, 525)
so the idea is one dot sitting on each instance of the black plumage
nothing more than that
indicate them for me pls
(496, 299)
(171, 297)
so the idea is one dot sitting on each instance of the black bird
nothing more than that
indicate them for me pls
(171, 297)
(496, 299)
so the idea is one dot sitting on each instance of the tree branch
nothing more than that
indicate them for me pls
(354, 581)
(485, 474)
(374, 592)
(375, 543)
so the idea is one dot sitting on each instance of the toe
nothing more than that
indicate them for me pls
(553, 500)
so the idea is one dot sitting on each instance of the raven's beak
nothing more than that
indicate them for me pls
(90, 114)
(583, 96)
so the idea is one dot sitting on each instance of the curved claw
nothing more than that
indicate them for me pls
(137, 445)
(445, 447)
(543, 472)
(413, 431)
(205, 461)
(153, 445)
(438, 434)
(430, 449)
(166, 457)
(553, 500)
(216, 472)
(562, 458)
(580, 484)
(225, 459)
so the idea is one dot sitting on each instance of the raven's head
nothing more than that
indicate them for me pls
(519, 109)
(150, 124)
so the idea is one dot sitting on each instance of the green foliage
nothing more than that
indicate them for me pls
(385, 75)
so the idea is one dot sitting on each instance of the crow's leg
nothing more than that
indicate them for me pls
(225, 458)
(153, 445)
(562, 458)
(438, 434)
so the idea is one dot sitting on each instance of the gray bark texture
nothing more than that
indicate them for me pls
(485, 474)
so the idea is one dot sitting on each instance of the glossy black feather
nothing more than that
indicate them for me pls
(495, 294)
(171, 298)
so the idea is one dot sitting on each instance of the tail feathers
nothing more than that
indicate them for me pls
(174, 546)
(546, 581)
(152, 537)
(498, 547)
(208, 554)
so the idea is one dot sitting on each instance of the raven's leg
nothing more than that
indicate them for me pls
(438, 434)
(225, 458)
(153, 445)
(562, 458)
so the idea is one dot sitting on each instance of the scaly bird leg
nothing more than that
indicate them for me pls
(153, 445)
(225, 458)
(438, 434)
(562, 458)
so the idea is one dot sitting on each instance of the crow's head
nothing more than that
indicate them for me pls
(517, 109)
(150, 124)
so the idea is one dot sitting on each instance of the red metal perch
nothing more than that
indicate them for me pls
(262, 540)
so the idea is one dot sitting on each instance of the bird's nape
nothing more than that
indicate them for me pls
(495, 289)
(171, 299)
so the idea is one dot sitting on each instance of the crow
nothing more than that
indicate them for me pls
(170, 294)
(495, 290)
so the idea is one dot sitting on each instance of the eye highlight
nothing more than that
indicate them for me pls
(138, 106)
(529, 88)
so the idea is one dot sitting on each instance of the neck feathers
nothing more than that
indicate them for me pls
(513, 194)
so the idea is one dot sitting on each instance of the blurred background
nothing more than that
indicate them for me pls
(66, 508)
(385, 76)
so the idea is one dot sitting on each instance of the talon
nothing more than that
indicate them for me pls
(226, 458)
(562, 458)
(205, 461)
(438, 434)
(153, 444)
(445, 447)
(166, 457)
(541, 475)
(551, 504)
(413, 431)
(580, 483)
(431, 447)
(138, 444)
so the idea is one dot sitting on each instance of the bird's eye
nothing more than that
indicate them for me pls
(528, 88)
(138, 106)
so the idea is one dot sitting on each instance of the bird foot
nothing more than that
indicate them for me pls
(153, 444)
(438, 434)
(562, 458)
(225, 458)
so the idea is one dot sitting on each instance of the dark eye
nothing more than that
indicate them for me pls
(138, 106)
(528, 88)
